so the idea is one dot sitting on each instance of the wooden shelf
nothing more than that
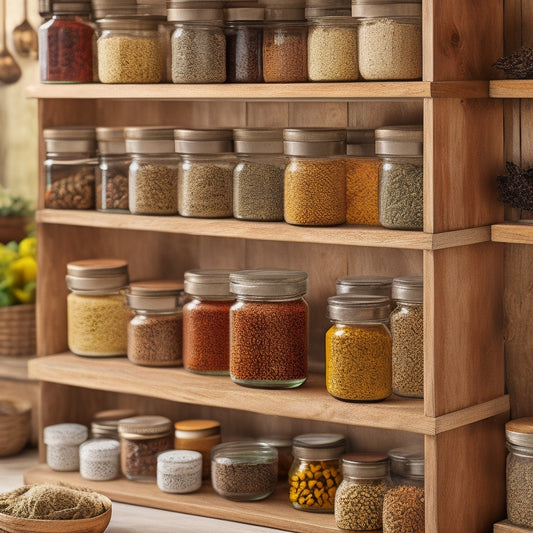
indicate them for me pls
(269, 231)
(513, 233)
(511, 88)
(506, 527)
(14, 367)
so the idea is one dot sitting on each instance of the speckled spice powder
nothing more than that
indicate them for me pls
(362, 178)
(285, 54)
(403, 510)
(520, 490)
(153, 190)
(243, 481)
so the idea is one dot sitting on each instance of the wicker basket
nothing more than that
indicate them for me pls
(15, 425)
(17, 330)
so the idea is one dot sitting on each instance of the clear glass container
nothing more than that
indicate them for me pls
(97, 314)
(63, 444)
(284, 446)
(244, 471)
(359, 498)
(206, 322)
(155, 333)
(315, 473)
(407, 465)
(179, 471)
(407, 328)
(258, 178)
(365, 286)
(100, 459)
(358, 348)
(390, 39)
(142, 438)
(315, 178)
(70, 167)
(105, 423)
(401, 177)
(206, 173)
(269, 328)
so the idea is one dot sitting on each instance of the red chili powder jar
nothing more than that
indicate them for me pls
(269, 328)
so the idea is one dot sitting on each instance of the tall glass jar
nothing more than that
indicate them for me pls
(259, 175)
(401, 177)
(70, 167)
(317, 459)
(153, 172)
(97, 314)
(155, 332)
(269, 328)
(206, 322)
(365, 286)
(315, 178)
(407, 328)
(358, 348)
(206, 173)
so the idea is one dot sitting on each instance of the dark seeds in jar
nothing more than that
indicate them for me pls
(73, 189)
(244, 480)
(139, 456)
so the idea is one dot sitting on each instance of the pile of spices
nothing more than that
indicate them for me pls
(401, 177)
(179, 471)
(315, 473)
(359, 498)
(269, 328)
(63, 444)
(244, 471)
(100, 459)
(365, 286)
(155, 332)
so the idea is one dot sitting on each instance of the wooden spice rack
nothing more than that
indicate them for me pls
(506, 527)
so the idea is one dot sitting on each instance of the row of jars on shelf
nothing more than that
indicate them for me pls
(376, 40)
(305, 176)
(252, 325)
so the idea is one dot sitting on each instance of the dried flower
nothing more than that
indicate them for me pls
(518, 65)
(516, 187)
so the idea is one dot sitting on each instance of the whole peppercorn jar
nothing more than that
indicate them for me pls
(142, 438)
(66, 43)
(401, 177)
(258, 178)
(70, 167)
(113, 169)
(519, 472)
(358, 348)
(359, 498)
(62, 446)
(269, 328)
(390, 39)
(284, 446)
(365, 286)
(97, 314)
(153, 172)
(100, 459)
(206, 173)
(315, 178)
(315, 473)
(179, 471)
(407, 328)
(105, 423)
(155, 333)
(206, 321)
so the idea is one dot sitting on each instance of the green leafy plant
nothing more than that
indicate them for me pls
(12, 205)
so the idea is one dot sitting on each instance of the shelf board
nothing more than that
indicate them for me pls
(14, 367)
(269, 231)
(310, 401)
(506, 527)
(513, 233)
(511, 88)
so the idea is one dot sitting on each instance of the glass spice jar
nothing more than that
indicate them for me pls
(315, 178)
(155, 333)
(97, 314)
(315, 473)
(62, 446)
(179, 471)
(105, 423)
(365, 286)
(358, 348)
(284, 446)
(70, 168)
(401, 177)
(206, 322)
(100, 459)
(407, 329)
(269, 328)
(142, 438)
(258, 178)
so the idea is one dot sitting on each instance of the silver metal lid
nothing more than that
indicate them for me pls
(365, 465)
(408, 461)
(360, 143)
(352, 309)
(400, 140)
(519, 432)
(203, 141)
(146, 23)
(194, 15)
(149, 140)
(365, 285)
(258, 141)
(408, 289)
(268, 283)
(144, 426)
(386, 8)
(111, 140)
(277, 441)
(296, 14)
(70, 140)
(95, 275)
(208, 283)
(244, 13)
(319, 446)
(155, 295)
(309, 142)
(61, 7)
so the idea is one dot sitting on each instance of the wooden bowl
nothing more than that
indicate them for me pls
(15, 425)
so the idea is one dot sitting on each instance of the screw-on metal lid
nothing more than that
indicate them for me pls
(70, 140)
(319, 446)
(408, 461)
(149, 140)
(65, 434)
(111, 140)
(408, 289)
(268, 283)
(244, 13)
(327, 8)
(386, 8)
(258, 140)
(277, 441)
(203, 141)
(365, 465)
(155, 295)
(365, 285)
(400, 140)
(194, 15)
(94, 275)
(141, 23)
(144, 427)
(208, 283)
(61, 7)
(360, 143)
(319, 142)
(519, 432)
(196, 428)
(352, 308)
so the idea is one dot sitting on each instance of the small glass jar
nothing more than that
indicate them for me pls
(390, 39)
(155, 333)
(153, 172)
(358, 348)
(407, 328)
(401, 177)
(362, 178)
(206, 322)
(63, 444)
(519, 436)
(269, 328)
(258, 178)
(113, 168)
(407, 465)
(97, 314)
(206, 173)
(359, 498)
(129, 50)
(142, 438)
(316, 473)
(365, 286)
(244, 471)
(200, 436)
(105, 423)
(100, 459)
(70, 168)
(179, 471)
(315, 178)
(284, 446)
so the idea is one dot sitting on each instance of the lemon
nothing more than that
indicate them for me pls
(28, 247)
(24, 270)
(7, 255)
